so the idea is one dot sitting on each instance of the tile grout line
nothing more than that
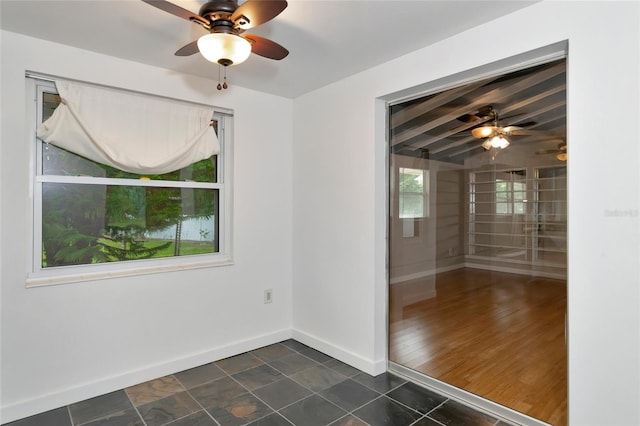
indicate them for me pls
(285, 376)
(198, 402)
(264, 402)
(434, 409)
(316, 393)
(404, 405)
(69, 413)
(144, 422)
(248, 391)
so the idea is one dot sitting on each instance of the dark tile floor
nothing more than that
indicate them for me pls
(282, 384)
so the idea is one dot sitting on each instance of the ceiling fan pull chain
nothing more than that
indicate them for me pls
(224, 85)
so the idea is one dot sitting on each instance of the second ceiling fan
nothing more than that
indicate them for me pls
(495, 135)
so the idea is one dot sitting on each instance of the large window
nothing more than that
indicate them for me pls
(93, 218)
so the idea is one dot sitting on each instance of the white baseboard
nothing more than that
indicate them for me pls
(423, 274)
(373, 367)
(477, 265)
(532, 273)
(105, 385)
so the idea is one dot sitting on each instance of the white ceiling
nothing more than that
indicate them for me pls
(328, 40)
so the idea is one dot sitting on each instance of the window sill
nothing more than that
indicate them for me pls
(42, 280)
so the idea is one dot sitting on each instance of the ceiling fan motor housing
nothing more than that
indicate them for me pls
(218, 13)
(221, 10)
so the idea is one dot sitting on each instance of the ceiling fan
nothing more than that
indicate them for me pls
(561, 151)
(497, 136)
(226, 21)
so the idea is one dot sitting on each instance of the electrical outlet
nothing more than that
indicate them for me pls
(268, 296)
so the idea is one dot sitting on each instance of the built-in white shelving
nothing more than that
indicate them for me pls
(518, 215)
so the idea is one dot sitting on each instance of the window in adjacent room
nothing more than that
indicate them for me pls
(413, 193)
(93, 218)
(511, 193)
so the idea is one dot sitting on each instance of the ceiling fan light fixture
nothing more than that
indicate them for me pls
(498, 141)
(224, 49)
(562, 156)
(483, 132)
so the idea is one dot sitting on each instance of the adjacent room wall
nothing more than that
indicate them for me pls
(339, 221)
(412, 241)
(69, 342)
(424, 246)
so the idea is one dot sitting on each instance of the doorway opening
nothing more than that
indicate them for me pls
(478, 239)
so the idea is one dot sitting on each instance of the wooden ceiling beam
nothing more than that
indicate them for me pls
(404, 115)
(492, 96)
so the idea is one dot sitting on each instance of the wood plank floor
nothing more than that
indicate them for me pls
(500, 336)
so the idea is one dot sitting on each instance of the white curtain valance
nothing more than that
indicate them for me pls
(133, 132)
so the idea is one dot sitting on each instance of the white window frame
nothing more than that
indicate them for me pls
(512, 188)
(424, 193)
(38, 276)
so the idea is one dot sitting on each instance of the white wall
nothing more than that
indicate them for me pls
(339, 205)
(69, 342)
